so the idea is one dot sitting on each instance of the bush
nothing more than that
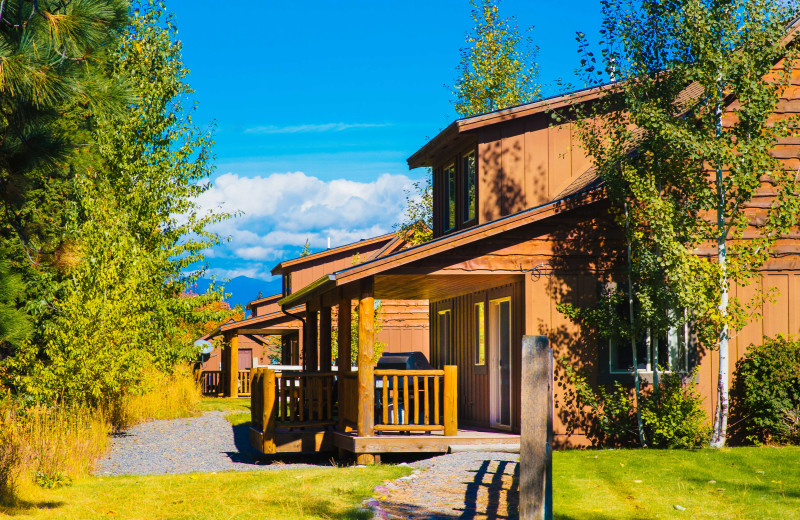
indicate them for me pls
(765, 394)
(673, 417)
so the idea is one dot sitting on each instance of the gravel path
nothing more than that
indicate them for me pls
(197, 444)
(473, 485)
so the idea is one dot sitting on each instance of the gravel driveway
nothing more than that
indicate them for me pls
(196, 444)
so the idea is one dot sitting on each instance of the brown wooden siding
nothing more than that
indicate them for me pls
(312, 271)
(473, 381)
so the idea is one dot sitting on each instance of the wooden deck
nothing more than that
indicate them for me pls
(435, 442)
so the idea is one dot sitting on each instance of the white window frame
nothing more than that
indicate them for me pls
(673, 352)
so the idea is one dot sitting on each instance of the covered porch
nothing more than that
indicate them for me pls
(364, 410)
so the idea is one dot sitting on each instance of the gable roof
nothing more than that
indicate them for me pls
(264, 301)
(295, 262)
(443, 244)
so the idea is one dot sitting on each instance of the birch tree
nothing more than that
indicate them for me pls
(685, 141)
(498, 66)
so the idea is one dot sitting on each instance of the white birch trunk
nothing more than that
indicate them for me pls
(721, 415)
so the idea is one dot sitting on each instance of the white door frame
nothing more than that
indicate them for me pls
(495, 386)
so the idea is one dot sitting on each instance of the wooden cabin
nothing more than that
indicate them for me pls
(521, 224)
(273, 330)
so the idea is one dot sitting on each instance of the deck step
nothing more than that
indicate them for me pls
(500, 448)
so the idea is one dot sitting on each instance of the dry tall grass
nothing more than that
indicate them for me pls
(161, 396)
(55, 444)
(51, 444)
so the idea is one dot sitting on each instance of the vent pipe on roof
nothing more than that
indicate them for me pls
(329, 242)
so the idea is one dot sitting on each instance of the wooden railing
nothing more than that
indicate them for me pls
(416, 400)
(211, 382)
(304, 399)
(245, 378)
(290, 400)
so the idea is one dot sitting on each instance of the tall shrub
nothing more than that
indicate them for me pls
(766, 391)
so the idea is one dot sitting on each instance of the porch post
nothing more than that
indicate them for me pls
(366, 379)
(324, 339)
(343, 317)
(344, 338)
(310, 343)
(232, 368)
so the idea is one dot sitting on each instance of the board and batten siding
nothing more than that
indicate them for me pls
(473, 380)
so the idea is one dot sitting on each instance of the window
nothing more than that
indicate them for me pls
(469, 201)
(443, 335)
(450, 198)
(480, 334)
(670, 352)
(287, 284)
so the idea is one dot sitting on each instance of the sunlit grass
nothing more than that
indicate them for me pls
(323, 493)
(224, 404)
(734, 484)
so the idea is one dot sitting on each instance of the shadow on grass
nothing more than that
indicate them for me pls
(23, 507)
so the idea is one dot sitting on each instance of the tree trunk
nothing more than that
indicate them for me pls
(642, 440)
(721, 415)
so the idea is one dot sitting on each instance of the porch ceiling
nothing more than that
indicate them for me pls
(435, 286)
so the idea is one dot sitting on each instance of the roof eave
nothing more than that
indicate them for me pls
(320, 286)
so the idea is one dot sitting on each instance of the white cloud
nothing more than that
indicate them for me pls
(280, 211)
(317, 128)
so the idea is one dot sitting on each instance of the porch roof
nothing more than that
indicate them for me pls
(583, 191)
(274, 323)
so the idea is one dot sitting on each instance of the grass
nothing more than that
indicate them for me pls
(162, 396)
(734, 484)
(224, 404)
(329, 493)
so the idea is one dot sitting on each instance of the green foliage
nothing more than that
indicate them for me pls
(306, 248)
(51, 51)
(766, 392)
(672, 417)
(498, 68)
(417, 225)
(122, 304)
(680, 172)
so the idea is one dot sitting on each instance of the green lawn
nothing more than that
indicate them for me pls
(739, 483)
(224, 404)
(732, 484)
(324, 493)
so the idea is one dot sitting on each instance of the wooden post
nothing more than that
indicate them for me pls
(344, 335)
(310, 359)
(269, 410)
(366, 379)
(233, 365)
(344, 315)
(325, 339)
(450, 404)
(536, 436)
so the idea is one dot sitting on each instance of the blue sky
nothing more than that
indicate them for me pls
(318, 104)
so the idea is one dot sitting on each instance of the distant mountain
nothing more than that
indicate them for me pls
(243, 289)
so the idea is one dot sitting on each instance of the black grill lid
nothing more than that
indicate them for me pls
(403, 361)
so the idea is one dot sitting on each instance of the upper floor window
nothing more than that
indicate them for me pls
(455, 186)
(469, 200)
(287, 284)
(450, 197)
